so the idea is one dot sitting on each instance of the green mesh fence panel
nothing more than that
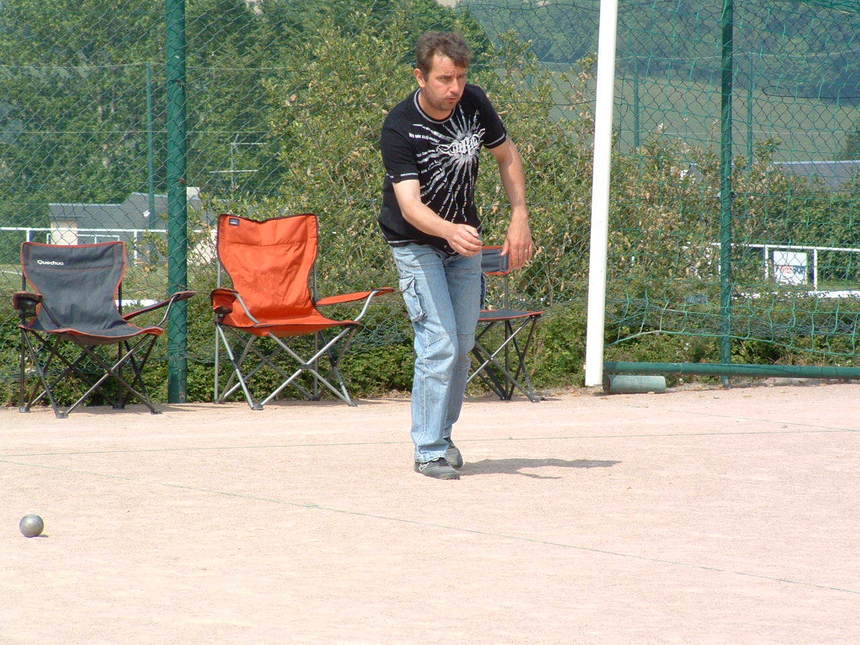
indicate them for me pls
(795, 246)
(839, 5)
(284, 104)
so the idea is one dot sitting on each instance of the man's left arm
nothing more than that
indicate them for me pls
(518, 244)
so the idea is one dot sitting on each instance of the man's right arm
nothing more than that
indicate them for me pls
(464, 239)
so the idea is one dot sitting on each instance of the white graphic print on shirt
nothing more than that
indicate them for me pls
(448, 166)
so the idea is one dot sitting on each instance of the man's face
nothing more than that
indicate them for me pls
(443, 85)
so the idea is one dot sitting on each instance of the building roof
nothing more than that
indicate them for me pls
(834, 174)
(132, 213)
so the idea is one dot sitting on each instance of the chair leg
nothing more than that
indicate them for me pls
(22, 402)
(115, 371)
(486, 359)
(504, 387)
(41, 372)
(309, 366)
(522, 353)
(335, 358)
(335, 348)
(70, 369)
(119, 399)
(137, 365)
(263, 362)
(252, 403)
(74, 367)
(486, 372)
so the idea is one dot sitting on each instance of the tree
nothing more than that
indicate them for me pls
(74, 119)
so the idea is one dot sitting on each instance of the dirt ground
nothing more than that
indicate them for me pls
(724, 516)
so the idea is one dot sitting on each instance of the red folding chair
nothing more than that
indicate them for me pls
(269, 264)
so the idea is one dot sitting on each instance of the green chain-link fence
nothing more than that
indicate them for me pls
(284, 101)
(742, 244)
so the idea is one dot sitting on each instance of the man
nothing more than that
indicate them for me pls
(430, 145)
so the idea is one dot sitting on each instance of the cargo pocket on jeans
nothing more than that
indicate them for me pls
(413, 302)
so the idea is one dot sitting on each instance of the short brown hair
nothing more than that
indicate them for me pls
(444, 43)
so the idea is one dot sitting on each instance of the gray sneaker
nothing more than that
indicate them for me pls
(438, 469)
(453, 457)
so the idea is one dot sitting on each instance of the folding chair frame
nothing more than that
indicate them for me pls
(128, 349)
(501, 377)
(238, 379)
(504, 370)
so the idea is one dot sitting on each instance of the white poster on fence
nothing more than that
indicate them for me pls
(789, 267)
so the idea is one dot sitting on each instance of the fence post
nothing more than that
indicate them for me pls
(177, 202)
(750, 114)
(727, 70)
(637, 125)
(150, 146)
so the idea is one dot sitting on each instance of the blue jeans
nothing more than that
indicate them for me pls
(443, 299)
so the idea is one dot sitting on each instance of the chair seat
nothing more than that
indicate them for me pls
(97, 336)
(493, 315)
(294, 326)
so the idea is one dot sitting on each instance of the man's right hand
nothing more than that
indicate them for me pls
(464, 239)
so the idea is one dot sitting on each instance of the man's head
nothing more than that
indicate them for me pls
(443, 58)
(443, 43)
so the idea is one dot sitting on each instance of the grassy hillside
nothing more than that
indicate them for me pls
(805, 129)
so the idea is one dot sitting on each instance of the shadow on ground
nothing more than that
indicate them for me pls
(516, 466)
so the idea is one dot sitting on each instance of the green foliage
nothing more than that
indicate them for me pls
(560, 351)
(285, 104)
(9, 337)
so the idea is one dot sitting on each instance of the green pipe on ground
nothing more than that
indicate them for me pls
(732, 369)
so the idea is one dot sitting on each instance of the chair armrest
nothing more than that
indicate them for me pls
(176, 297)
(222, 300)
(352, 297)
(367, 296)
(25, 302)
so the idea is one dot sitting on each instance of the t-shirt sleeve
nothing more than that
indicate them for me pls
(397, 156)
(494, 130)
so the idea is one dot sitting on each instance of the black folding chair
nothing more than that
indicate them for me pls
(503, 337)
(77, 299)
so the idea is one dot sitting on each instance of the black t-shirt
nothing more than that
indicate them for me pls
(442, 156)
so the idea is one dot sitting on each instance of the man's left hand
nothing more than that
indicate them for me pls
(518, 244)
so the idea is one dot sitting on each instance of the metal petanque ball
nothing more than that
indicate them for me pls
(31, 525)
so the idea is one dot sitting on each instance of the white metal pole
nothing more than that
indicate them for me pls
(600, 192)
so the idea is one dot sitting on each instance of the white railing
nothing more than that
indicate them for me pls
(56, 235)
(84, 235)
(767, 251)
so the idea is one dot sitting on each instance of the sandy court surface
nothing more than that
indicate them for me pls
(710, 516)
